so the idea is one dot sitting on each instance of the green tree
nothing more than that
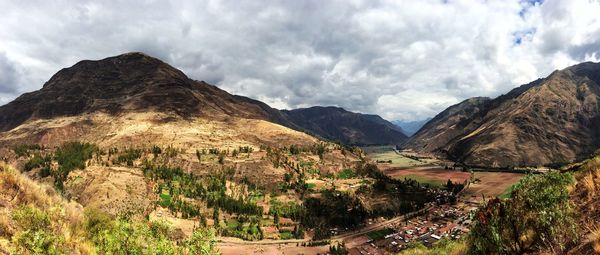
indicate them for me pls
(538, 215)
(202, 242)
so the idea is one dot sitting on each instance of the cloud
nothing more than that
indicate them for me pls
(8, 75)
(402, 60)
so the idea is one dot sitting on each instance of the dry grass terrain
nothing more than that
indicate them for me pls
(111, 189)
(150, 128)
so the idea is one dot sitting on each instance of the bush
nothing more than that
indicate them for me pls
(538, 215)
(71, 156)
(36, 161)
(35, 236)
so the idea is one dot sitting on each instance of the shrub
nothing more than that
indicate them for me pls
(23, 149)
(37, 161)
(538, 215)
(71, 156)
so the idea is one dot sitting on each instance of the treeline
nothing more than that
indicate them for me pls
(213, 191)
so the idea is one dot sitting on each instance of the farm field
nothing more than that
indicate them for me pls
(381, 154)
(431, 175)
(492, 184)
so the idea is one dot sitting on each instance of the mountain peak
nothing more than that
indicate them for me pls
(130, 82)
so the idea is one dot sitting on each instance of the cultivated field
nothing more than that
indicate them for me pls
(384, 154)
(430, 175)
(492, 184)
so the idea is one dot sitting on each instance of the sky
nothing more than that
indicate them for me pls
(404, 60)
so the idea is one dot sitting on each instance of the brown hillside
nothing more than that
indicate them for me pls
(553, 120)
(136, 99)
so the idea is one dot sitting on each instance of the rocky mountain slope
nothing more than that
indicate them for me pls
(135, 98)
(134, 95)
(550, 120)
(337, 124)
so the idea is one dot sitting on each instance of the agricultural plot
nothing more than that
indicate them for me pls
(387, 157)
(489, 184)
(492, 184)
(431, 175)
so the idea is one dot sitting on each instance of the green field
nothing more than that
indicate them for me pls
(387, 153)
(380, 234)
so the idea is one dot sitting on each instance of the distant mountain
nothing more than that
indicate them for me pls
(548, 121)
(410, 127)
(337, 124)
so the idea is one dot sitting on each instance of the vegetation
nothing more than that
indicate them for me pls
(346, 174)
(537, 215)
(40, 222)
(114, 236)
(71, 156)
(380, 234)
(130, 155)
(443, 247)
(23, 150)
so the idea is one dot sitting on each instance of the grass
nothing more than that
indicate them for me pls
(508, 191)
(596, 239)
(380, 234)
(165, 200)
(387, 153)
(232, 224)
(346, 174)
(442, 247)
(286, 235)
(589, 185)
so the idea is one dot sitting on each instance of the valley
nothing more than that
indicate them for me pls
(143, 150)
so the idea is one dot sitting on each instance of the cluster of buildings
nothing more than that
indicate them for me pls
(444, 221)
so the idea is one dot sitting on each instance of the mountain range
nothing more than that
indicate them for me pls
(126, 97)
(549, 121)
(337, 124)
(410, 127)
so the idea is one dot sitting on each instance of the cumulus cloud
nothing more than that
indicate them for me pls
(401, 59)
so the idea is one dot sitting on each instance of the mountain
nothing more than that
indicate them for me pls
(337, 124)
(548, 121)
(410, 127)
(133, 97)
(137, 98)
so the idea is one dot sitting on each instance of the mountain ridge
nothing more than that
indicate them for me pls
(338, 124)
(547, 121)
(138, 83)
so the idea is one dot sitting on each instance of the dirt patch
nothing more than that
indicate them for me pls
(492, 184)
(429, 173)
(111, 189)
(287, 249)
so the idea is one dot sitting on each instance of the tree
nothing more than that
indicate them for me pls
(202, 242)
(276, 218)
(538, 215)
(216, 216)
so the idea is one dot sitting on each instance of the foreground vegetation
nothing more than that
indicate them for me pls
(39, 221)
(538, 216)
